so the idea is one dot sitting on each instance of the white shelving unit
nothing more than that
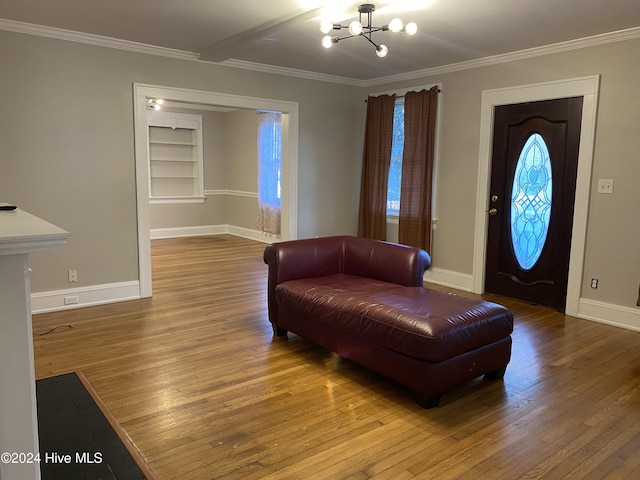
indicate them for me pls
(175, 157)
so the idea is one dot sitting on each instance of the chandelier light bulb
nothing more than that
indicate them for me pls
(355, 28)
(395, 25)
(411, 28)
(326, 26)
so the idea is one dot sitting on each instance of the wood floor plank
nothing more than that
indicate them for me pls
(195, 378)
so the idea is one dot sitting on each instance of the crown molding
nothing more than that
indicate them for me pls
(98, 40)
(602, 39)
(91, 39)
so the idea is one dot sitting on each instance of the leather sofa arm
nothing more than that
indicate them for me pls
(313, 257)
(295, 259)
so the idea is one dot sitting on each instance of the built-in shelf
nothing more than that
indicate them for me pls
(174, 144)
(175, 156)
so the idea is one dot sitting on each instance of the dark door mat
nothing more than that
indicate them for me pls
(76, 439)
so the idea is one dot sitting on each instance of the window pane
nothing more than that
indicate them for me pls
(395, 169)
(270, 158)
(531, 201)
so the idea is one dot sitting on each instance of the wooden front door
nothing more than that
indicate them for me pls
(533, 181)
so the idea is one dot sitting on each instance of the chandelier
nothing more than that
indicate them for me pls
(358, 29)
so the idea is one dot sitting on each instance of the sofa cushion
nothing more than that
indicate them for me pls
(419, 322)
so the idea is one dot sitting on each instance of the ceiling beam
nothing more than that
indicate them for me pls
(226, 48)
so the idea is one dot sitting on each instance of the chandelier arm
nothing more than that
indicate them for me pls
(337, 39)
(371, 41)
(365, 35)
(369, 31)
(364, 27)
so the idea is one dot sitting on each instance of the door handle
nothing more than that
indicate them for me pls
(493, 211)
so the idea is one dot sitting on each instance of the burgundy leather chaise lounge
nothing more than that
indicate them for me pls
(364, 299)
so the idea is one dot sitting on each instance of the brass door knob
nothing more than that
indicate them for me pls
(493, 211)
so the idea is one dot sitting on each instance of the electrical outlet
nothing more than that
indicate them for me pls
(73, 276)
(71, 300)
(594, 283)
(605, 185)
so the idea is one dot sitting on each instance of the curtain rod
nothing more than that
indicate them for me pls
(365, 100)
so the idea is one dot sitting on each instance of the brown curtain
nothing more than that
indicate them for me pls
(414, 223)
(378, 136)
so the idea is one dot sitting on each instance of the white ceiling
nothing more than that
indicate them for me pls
(285, 33)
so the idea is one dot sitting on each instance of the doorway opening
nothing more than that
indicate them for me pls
(203, 98)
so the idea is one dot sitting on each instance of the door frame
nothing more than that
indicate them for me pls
(586, 87)
(289, 111)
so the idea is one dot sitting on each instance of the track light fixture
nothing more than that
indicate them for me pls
(358, 29)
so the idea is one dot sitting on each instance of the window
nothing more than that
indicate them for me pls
(395, 168)
(175, 158)
(269, 171)
(531, 201)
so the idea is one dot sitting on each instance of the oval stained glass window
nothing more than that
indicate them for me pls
(531, 201)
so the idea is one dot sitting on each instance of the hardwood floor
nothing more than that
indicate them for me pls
(201, 388)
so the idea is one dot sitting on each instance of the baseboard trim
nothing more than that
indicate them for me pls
(250, 234)
(53, 301)
(176, 232)
(610, 314)
(203, 230)
(448, 278)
